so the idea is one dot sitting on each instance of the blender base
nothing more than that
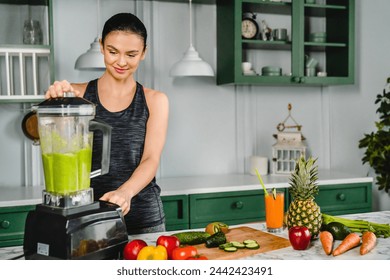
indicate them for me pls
(95, 231)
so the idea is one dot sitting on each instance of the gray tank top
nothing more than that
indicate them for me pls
(127, 145)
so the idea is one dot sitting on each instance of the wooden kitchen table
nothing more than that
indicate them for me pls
(380, 252)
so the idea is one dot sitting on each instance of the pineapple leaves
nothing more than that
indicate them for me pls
(303, 181)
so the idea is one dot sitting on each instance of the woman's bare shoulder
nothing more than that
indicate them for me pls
(154, 96)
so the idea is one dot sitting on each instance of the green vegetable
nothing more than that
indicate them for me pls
(252, 246)
(230, 249)
(249, 241)
(235, 245)
(225, 245)
(338, 230)
(192, 237)
(238, 245)
(359, 225)
(215, 240)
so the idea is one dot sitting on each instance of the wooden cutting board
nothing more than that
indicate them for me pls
(268, 242)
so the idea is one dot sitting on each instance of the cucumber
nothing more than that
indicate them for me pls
(252, 246)
(237, 244)
(233, 246)
(249, 241)
(216, 239)
(192, 237)
(230, 249)
(225, 245)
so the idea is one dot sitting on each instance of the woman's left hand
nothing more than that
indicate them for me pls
(118, 197)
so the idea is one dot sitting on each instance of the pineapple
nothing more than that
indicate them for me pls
(303, 210)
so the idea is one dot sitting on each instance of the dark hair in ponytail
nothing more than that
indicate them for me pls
(125, 22)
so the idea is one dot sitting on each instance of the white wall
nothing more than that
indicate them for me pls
(214, 129)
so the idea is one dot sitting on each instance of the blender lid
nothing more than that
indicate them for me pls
(66, 106)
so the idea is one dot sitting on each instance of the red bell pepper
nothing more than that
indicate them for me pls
(183, 253)
(198, 258)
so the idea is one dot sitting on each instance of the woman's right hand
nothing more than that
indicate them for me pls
(58, 88)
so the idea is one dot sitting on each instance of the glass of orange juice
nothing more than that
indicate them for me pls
(274, 210)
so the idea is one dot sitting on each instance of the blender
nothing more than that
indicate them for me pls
(69, 224)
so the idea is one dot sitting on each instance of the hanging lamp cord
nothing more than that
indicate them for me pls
(190, 9)
(98, 19)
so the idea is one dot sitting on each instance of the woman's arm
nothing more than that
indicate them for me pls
(156, 131)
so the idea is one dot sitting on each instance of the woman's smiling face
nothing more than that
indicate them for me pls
(123, 51)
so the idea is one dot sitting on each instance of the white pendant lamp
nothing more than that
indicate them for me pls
(191, 64)
(92, 59)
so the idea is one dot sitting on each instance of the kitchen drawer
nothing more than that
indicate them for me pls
(176, 212)
(12, 222)
(345, 198)
(228, 207)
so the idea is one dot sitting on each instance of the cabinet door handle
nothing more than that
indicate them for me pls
(5, 224)
(296, 79)
(341, 196)
(239, 204)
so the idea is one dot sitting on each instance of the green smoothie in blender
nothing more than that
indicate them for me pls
(67, 172)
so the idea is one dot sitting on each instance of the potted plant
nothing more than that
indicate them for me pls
(377, 144)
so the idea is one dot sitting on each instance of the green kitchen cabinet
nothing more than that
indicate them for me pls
(341, 199)
(335, 55)
(229, 207)
(26, 50)
(345, 198)
(12, 223)
(176, 212)
(236, 207)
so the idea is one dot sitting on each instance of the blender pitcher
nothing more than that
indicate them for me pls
(65, 127)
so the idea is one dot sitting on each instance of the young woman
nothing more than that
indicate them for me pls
(139, 120)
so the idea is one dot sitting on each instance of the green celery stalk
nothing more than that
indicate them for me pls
(359, 225)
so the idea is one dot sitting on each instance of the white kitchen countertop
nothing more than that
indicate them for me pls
(245, 182)
(314, 252)
(20, 196)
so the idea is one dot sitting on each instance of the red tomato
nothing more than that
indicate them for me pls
(169, 242)
(299, 237)
(131, 250)
(198, 258)
(183, 253)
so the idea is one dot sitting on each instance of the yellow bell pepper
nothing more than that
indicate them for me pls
(153, 253)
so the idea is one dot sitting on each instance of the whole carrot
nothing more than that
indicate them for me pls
(368, 242)
(326, 239)
(351, 241)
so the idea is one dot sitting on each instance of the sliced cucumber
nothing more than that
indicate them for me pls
(233, 246)
(225, 245)
(237, 244)
(252, 246)
(230, 249)
(248, 241)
